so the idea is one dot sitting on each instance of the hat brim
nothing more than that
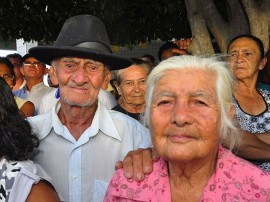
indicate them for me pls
(47, 53)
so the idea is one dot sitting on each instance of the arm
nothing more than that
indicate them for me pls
(137, 163)
(254, 147)
(264, 137)
(28, 109)
(42, 192)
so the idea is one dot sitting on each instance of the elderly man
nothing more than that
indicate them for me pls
(80, 139)
(34, 89)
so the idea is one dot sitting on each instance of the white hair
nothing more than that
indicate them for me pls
(225, 83)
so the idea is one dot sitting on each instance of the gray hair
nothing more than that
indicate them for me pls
(225, 83)
(135, 61)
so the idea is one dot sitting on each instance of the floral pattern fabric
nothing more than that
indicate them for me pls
(8, 172)
(234, 179)
(255, 123)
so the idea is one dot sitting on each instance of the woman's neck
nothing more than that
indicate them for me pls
(136, 109)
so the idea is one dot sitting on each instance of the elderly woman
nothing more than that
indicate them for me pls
(188, 124)
(20, 179)
(252, 105)
(131, 86)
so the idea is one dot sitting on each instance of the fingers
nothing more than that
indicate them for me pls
(155, 155)
(147, 161)
(183, 43)
(179, 52)
(118, 165)
(138, 163)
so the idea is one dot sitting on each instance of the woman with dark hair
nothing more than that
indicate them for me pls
(252, 105)
(20, 179)
(7, 73)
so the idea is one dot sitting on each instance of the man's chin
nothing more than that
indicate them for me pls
(76, 103)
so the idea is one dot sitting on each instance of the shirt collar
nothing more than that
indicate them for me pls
(102, 121)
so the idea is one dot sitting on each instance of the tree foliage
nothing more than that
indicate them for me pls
(127, 22)
(134, 21)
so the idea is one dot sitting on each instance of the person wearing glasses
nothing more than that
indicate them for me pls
(7, 73)
(33, 71)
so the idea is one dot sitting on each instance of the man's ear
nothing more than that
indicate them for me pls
(53, 75)
(21, 70)
(46, 70)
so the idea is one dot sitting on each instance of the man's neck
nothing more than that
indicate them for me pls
(30, 82)
(76, 119)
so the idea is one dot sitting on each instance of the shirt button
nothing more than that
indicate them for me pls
(74, 177)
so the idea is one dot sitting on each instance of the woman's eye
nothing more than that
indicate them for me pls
(163, 102)
(200, 102)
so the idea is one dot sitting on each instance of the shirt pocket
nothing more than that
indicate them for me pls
(100, 188)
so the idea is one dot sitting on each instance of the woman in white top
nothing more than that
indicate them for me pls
(20, 179)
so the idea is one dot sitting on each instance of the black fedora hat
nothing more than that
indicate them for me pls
(82, 36)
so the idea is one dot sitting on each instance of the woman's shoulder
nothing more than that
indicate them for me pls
(236, 177)
(154, 184)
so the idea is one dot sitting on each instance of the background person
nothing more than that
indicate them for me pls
(6, 72)
(131, 86)
(17, 60)
(188, 124)
(252, 105)
(21, 180)
(263, 81)
(34, 89)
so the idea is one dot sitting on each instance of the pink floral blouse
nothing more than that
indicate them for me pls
(235, 179)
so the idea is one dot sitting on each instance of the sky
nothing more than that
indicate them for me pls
(3, 53)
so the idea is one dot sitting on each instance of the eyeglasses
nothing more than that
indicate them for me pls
(36, 64)
(7, 77)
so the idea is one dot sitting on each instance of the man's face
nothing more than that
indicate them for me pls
(32, 68)
(17, 64)
(79, 80)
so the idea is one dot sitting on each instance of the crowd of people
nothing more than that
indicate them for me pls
(109, 128)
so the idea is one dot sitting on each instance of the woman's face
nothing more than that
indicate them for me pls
(185, 115)
(6, 74)
(245, 59)
(133, 85)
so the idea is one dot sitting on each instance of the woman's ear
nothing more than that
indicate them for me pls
(263, 63)
(117, 88)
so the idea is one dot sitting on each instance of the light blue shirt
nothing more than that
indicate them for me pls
(81, 170)
(35, 95)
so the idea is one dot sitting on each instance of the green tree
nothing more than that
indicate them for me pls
(131, 22)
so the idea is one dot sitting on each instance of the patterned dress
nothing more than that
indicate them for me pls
(17, 179)
(234, 179)
(255, 123)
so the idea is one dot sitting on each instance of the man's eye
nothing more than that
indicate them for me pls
(69, 66)
(91, 68)
(128, 83)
